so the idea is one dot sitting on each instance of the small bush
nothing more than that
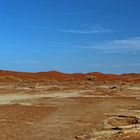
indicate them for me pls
(91, 78)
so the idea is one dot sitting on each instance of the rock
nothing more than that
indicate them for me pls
(113, 87)
(82, 137)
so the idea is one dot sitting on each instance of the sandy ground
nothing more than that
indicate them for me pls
(84, 111)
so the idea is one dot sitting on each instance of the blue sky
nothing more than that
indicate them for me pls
(70, 35)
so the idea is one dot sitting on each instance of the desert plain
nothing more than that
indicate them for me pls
(57, 106)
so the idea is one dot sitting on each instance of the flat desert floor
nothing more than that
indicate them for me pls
(69, 111)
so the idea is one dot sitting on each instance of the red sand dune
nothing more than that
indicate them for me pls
(54, 75)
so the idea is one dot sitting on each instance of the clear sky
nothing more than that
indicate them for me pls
(70, 35)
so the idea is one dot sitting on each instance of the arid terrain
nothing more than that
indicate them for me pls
(58, 106)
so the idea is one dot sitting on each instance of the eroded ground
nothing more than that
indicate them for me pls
(70, 111)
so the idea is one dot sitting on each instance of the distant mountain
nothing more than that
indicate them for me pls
(55, 75)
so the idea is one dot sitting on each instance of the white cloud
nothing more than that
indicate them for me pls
(116, 46)
(86, 30)
(133, 64)
(130, 44)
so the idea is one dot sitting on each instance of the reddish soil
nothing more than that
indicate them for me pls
(54, 75)
(68, 106)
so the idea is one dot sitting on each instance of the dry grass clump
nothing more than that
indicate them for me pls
(9, 78)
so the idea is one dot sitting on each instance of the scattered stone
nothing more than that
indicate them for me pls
(113, 87)
(82, 137)
(118, 126)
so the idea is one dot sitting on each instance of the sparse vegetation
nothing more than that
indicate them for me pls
(91, 78)
(70, 101)
(9, 78)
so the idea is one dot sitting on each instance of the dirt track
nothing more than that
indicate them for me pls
(68, 113)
